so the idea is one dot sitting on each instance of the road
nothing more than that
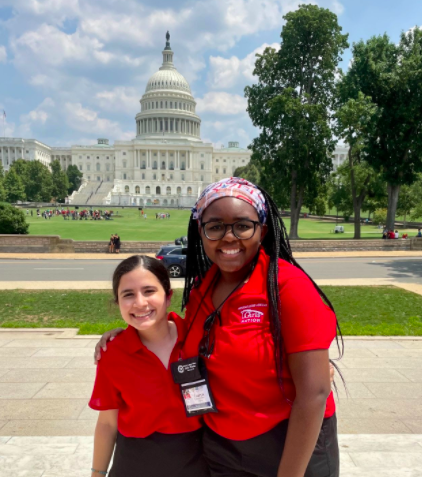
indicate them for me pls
(398, 269)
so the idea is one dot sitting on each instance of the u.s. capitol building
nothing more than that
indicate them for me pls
(167, 163)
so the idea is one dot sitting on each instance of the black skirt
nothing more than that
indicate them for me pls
(159, 455)
(261, 455)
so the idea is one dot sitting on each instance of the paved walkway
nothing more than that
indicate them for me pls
(122, 256)
(46, 427)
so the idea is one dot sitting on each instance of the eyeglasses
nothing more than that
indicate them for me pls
(242, 229)
(205, 347)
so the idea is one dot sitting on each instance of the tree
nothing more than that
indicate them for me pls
(21, 167)
(12, 220)
(353, 118)
(2, 189)
(15, 190)
(338, 194)
(291, 105)
(75, 178)
(391, 75)
(407, 201)
(40, 183)
(60, 181)
(250, 172)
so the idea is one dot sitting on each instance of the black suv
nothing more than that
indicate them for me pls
(174, 259)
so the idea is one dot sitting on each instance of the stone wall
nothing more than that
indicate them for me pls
(54, 244)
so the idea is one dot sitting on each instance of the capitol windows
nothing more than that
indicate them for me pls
(202, 166)
(183, 177)
(80, 157)
(158, 190)
(124, 177)
(163, 165)
(161, 105)
(156, 105)
(147, 190)
(179, 190)
(202, 178)
(189, 190)
(98, 166)
(88, 167)
(163, 177)
(168, 190)
(143, 176)
(171, 166)
(108, 157)
(143, 164)
(171, 104)
(182, 166)
(171, 177)
(216, 171)
(216, 160)
(154, 177)
(161, 125)
(107, 167)
(166, 105)
(137, 190)
(124, 153)
(98, 157)
(154, 165)
(243, 160)
(87, 157)
(124, 164)
(126, 189)
(80, 166)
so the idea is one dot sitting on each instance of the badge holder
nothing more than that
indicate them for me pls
(191, 375)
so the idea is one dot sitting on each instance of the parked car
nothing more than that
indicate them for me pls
(174, 259)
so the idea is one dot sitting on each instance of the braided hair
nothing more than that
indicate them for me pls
(276, 245)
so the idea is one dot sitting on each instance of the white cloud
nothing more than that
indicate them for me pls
(228, 72)
(222, 103)
(337, 7)
(3, 54)
(119, 99)
(55, 11)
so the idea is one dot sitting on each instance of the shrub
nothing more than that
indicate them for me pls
(12, 221)
(380, 217)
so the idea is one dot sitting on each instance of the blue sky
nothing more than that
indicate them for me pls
(74, 70)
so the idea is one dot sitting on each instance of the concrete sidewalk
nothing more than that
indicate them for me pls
(122, 256)
(46, 378)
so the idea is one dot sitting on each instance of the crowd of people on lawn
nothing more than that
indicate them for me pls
(160, 215)
(73, 214)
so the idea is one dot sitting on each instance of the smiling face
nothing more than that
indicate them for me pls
(230, 254)
(142, 300)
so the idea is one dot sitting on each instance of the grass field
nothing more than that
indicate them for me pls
(372, 311)
(130, 226)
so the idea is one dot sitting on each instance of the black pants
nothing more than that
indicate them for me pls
(261, 455)
(159, 455)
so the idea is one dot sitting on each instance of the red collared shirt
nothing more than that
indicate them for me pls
(241, 369)
(133, 380)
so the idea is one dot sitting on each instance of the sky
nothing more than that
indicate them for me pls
(72, 71)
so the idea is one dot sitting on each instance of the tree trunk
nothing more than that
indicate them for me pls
(357, 200)
(296, 197)
(357, 223)
(393, 196)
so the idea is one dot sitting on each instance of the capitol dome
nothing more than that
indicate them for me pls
(168, 107)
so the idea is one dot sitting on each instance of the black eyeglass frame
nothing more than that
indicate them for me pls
(254, 222)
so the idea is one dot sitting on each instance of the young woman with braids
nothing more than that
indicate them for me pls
(260, 324)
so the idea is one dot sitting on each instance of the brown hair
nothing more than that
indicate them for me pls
(153, 265)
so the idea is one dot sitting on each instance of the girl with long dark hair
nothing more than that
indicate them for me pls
(263, 329)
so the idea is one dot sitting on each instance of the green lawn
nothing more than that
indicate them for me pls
(383, 311)
(130, 226)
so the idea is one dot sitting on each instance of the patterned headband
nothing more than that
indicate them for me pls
(232, 187)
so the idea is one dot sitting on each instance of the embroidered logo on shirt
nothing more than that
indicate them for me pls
(249, 315)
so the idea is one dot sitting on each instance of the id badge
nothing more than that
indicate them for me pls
(191, 375)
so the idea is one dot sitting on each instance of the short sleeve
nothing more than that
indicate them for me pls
(307, 323)
(105, 396)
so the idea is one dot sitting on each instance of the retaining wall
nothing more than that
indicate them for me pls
(55, 244)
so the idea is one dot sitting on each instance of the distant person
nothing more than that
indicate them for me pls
(111, 244)
(32, 213)
(391, 235)
(145, 216)
(117, 243)
(385, 234)
(396, 234)
(419, 234)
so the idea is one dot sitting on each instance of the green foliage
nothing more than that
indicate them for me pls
(250, 172)
(36, 178)
(60, 182)
(14, 187)
(391, 75)
(12, 220)
(74, 176)
(291, 105)
(380, 217)
(2, 188)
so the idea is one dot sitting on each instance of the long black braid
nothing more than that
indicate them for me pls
(276, 244)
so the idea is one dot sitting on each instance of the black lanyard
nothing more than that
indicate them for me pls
(206, 348)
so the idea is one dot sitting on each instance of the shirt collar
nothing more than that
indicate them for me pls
(132, 340)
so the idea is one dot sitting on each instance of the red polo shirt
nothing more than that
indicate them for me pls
(242, 370)
(133, 380)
